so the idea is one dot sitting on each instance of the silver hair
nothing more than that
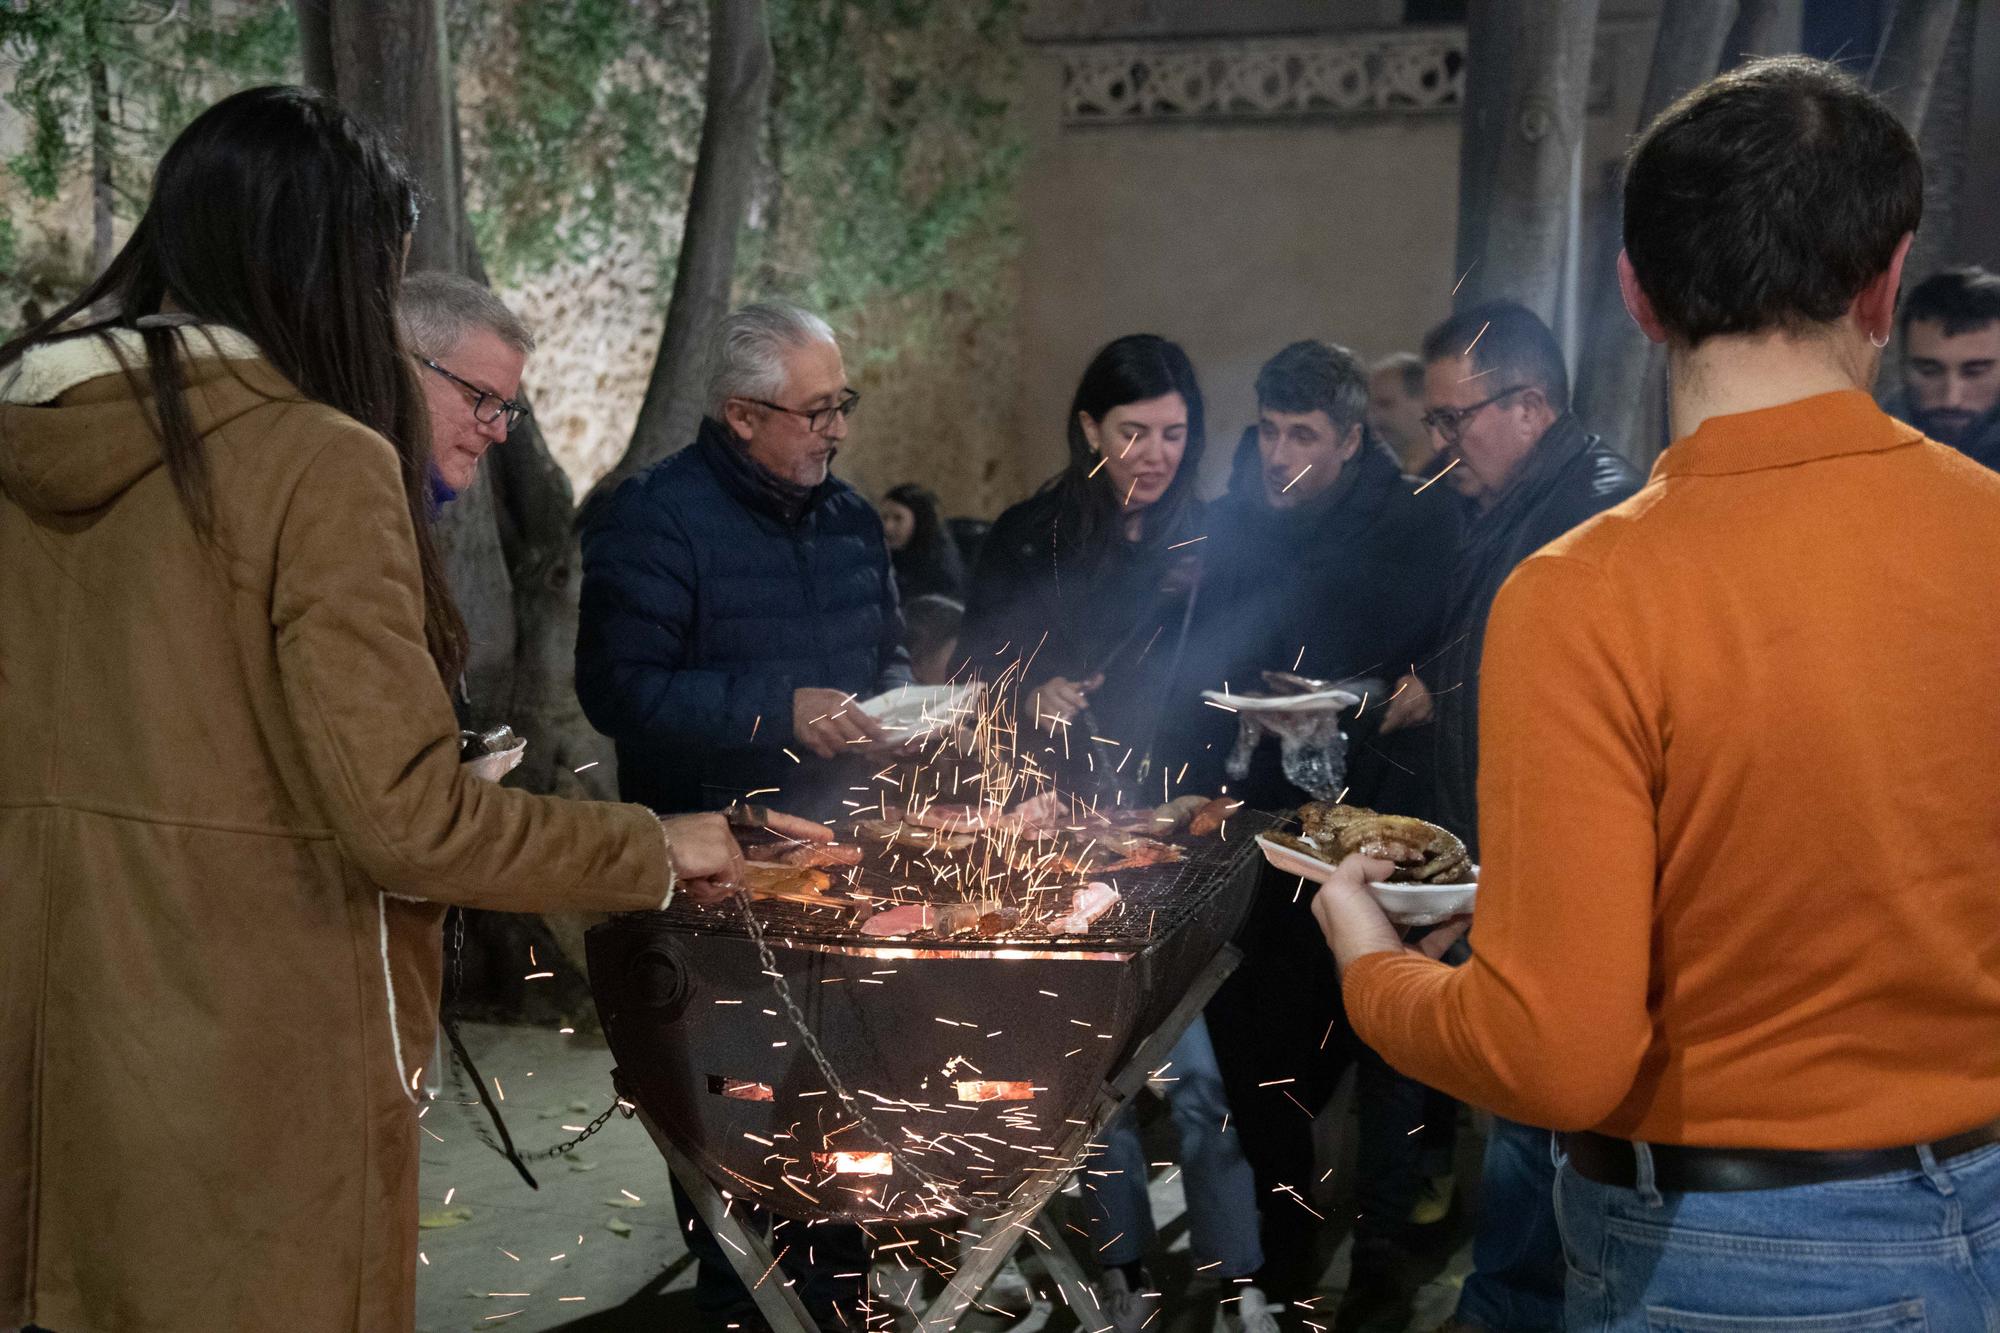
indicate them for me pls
(750, 348)
(439, 309)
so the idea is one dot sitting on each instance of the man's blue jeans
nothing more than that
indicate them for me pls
(1901, 1253)
(1221, 1192)
(1516, 1284)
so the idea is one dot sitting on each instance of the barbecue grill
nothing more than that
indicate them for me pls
(834, 1076)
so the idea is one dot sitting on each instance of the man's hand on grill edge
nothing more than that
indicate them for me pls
(708, 863)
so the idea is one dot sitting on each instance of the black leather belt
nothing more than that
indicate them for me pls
(1678, 1169)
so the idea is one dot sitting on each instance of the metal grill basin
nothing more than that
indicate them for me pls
(973, 1058)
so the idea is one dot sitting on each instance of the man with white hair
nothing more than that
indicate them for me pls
(737, 599)
(471, 349)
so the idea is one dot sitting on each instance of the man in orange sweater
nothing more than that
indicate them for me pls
(1738, 933)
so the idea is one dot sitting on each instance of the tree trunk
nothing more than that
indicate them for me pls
(1611, 388)
(1763, 28)
(387, 62)
(738, 92)
(1906, 64)
(1945, 141)
(315, 43)
(1528, 72)
(508, 542)
(103, 152)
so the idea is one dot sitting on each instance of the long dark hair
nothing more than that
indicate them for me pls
(281, 216)
(1131, 369)
(931, 557)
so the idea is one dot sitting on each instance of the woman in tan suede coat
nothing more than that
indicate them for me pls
(231, 809)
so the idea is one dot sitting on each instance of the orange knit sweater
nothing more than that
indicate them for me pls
(1739, 806)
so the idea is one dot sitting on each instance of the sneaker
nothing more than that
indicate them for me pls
(1126, 1309)
(1247, 1312)
(1434, 1200)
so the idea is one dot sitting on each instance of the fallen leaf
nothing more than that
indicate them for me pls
(579, 1164)
(618, 1226)
(625, 1203)
(444, 1217)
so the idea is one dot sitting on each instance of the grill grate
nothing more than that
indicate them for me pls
(1153, 901)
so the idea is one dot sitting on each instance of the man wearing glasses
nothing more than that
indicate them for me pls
(737, 599)
(471, 350)
(1498, 400)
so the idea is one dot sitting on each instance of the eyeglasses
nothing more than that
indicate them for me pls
(1449, 421)
(486, 407)
(818, 418)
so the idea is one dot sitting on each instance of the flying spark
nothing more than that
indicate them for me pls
(1440, 476)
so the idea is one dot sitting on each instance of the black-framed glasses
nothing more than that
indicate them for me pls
(818, 418)
(1449, 421)
(486, 407)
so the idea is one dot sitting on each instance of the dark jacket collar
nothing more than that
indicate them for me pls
(755, 486)
(1561, 444)
(1359, 490)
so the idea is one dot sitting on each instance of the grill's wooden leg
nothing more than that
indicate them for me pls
(747, 1253)
(1060, 1260)
(994, 1244)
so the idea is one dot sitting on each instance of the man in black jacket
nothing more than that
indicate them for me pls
(1498, 397)
(1326, 561)
(737, 598)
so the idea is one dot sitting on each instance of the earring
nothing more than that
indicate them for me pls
(1879, 343)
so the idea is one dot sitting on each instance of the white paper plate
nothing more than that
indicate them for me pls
(1406, 904)
(915, 709)
(1324, 701)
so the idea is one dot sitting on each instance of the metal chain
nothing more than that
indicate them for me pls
(947, 1192)
(617, 1104)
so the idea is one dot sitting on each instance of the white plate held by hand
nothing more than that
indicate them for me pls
(1405, 904)
(1324, 701)
(910, 711)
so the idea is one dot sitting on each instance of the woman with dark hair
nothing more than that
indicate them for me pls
(1082, 584)
(926, 558)
(231, 809)
(1088, 585)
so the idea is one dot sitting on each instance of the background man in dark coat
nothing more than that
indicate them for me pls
(1951, 362)
(1323, 559)
(1498, 395)
(736, 599)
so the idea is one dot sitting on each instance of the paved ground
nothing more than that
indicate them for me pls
(597, 1247)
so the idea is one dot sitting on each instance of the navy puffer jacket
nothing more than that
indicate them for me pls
(708, 598)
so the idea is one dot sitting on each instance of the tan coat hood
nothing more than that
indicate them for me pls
(65, 456)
